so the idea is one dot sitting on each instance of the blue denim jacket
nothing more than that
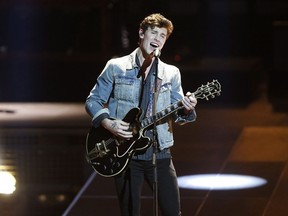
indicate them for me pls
(118, 90)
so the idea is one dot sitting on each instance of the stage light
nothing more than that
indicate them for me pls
(61, 198)
(7, 183)
(219, 182)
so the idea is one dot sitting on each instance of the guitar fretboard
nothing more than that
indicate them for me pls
(203, 92)
(160, 115)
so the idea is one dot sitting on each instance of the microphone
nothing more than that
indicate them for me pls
(147, 62)
(157, 52)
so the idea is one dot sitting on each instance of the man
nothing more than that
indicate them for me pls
(128, 82)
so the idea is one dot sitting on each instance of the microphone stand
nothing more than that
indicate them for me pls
(154, 142)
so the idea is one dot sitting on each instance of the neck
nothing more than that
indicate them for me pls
(142, 55)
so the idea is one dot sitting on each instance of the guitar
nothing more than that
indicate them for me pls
(110, 155)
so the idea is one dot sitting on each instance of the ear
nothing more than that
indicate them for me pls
(141, 33)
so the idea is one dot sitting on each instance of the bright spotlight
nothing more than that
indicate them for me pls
(219, 182)
(7, 183)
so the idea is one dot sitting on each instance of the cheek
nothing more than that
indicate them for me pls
(162, 44)
(146, 43)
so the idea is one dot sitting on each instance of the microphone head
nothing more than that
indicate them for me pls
(157, 52)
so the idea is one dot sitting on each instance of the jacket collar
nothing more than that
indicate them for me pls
(133, 64)
(132, 60)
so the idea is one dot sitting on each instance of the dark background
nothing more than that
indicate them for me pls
(54, 50)
(51, 51)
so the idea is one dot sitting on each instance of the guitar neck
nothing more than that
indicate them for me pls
(162, 114)
(203, 92)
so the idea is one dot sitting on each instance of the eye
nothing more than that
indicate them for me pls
(163, 36)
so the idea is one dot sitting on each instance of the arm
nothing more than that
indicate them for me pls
(188, 113)
(99, 95)
(96, 105)
(189, 102)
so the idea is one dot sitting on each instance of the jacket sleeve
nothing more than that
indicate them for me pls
(182, 119)
(177, 94)
(95, 104)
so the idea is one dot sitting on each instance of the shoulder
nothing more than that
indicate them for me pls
(124, 62)
(167, 70)
(168, 66)
(118, 60)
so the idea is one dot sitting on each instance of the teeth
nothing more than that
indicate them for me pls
(154, 45)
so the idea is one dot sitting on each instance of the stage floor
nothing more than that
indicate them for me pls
(250, 140)
(244, 141)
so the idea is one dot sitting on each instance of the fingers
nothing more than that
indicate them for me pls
(121, 128)
(188, 105)
(191, 98)
(189, 101)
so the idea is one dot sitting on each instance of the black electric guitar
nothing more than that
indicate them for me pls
(109, 155)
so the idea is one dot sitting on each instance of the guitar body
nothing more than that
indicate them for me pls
(108, 155)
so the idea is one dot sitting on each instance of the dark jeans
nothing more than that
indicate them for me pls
(129, 187)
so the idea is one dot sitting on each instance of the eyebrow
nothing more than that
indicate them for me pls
(161, 33)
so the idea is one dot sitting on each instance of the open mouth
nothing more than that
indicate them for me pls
(154, 45)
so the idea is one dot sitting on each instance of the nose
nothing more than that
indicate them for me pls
(157, 37)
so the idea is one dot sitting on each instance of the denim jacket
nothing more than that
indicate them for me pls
(117, 90)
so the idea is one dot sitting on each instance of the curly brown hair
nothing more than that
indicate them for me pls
(157, 20)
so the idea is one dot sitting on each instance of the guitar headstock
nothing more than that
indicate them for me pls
(210, 90)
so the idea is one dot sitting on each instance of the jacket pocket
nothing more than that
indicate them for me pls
(164, 98)
(126, 89)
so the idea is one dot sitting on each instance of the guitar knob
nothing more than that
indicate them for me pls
(104, 167)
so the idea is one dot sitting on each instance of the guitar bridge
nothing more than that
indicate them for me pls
(99, 150)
